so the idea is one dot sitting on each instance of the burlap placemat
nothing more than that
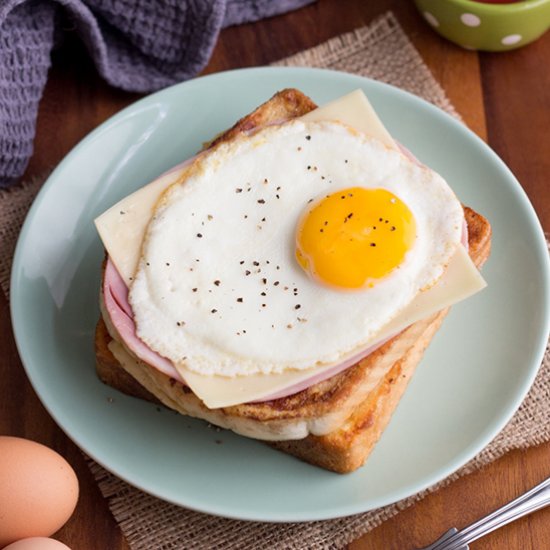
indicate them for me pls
(380, 50)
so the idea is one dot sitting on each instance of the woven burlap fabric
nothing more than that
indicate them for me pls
(14, 205)
(380, 50)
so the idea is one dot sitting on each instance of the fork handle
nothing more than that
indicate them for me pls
(535, 499)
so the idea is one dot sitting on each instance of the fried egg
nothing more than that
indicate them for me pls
(290, 248)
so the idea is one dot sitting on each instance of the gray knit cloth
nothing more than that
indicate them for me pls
(137, 45)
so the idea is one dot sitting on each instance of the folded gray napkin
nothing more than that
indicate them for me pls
(137, 45)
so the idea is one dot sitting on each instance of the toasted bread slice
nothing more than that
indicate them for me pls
(333, 424)
(284, 105)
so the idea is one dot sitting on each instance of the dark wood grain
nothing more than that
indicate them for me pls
(517, 107)
(504, 98)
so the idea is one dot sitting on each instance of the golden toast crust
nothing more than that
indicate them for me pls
(284, 105)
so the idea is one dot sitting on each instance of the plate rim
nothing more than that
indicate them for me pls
(407, 490)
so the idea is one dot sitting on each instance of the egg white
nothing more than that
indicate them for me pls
(218, 287)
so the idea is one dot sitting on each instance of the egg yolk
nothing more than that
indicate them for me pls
(354, 237)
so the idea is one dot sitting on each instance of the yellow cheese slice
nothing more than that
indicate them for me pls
(461, 280)
(355, 110)
(123, 226)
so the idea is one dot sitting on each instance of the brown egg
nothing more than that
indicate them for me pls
(38, 490)
(37, 543)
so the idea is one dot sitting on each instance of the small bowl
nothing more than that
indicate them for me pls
(489, 27)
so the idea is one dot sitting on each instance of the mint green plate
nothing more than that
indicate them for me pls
(474, 375)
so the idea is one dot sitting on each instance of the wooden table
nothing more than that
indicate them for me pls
(504, 98)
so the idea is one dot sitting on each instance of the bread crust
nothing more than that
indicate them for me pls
(284, 105)
(344, 416)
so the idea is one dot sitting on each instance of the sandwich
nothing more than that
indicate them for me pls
(285, 282)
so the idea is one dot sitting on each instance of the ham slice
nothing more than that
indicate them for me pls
(115, 295)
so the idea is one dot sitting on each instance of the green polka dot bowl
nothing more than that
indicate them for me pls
(490, 25)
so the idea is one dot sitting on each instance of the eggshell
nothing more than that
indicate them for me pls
(38, 490)
(37, 543)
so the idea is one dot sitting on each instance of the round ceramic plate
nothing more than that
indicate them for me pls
(473, 377)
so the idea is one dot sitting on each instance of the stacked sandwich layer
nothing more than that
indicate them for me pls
(272, 283)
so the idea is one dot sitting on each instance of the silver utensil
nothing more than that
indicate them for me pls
(535, 499)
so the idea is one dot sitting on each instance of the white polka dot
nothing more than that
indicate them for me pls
(466, 47)
(511, 39)
(470, 20)
(431, 19)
